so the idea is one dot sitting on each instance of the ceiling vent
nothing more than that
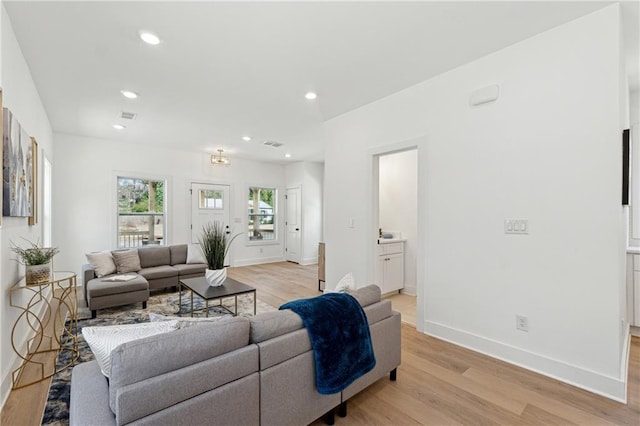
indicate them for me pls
(129, 115)
(273, 144)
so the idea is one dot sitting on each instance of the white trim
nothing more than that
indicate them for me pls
(258, 261)
(309, 261)
(601, 384)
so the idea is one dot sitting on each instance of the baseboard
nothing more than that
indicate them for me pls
(309, 261)
(258, 261)
(635, 331)
(607, 386)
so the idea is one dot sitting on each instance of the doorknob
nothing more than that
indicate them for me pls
(297, 229)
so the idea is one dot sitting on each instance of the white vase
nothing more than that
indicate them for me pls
(215, 277)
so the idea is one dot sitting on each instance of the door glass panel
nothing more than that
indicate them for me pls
(210, 199)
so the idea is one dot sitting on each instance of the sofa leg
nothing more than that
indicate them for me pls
(93, 314)
(144, 305)
(392, 375)
(330, 418)
(342, 409)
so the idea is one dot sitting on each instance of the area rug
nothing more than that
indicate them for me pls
(56, 411)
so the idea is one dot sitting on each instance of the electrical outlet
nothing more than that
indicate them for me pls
(522, 323)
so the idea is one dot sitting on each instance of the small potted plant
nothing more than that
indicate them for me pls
(37, 261)
(215, 242)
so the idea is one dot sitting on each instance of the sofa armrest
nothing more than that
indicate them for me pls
(88, 273)
(89, 396)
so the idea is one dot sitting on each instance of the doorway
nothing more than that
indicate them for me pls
(397, 208)
(293, 225)
(209, 203)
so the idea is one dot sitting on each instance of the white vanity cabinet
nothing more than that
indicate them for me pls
(390, 266)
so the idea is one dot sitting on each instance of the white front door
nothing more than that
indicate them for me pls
(208, 204)
(293, 225)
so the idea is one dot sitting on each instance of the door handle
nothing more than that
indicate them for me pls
(297, 229)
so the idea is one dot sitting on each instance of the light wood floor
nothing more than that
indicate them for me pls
(438, 383)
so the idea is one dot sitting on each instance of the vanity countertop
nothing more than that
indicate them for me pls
(391, 240)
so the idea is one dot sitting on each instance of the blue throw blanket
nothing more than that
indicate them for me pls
(339, 333)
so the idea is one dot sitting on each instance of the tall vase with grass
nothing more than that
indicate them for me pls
(215, 241)
(37, 261)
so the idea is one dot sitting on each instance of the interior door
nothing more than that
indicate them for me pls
(293, 225)
(209, 203)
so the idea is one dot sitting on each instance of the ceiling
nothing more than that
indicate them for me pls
(228, 69)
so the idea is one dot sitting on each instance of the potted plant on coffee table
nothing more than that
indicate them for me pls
(37, 261)
(215, 241)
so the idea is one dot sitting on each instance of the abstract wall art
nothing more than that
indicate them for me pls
(17, 168)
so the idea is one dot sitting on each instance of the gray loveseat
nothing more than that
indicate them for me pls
(238, 371)
(161, 266)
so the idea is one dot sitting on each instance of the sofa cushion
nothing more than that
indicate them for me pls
(130, 361)
(126, 260)
(102, 263)
(196, 268)
(178, 254)
(157, 272)
(184, 322)
(378, 311)
(367, 295)
(103, 340)
(154, 256)
(98, 288)
(268, 325)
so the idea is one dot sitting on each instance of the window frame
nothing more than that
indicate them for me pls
(167, 234)
(275, 214)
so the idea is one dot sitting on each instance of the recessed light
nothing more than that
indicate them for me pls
(129, 94)
(310, 95)
(149, 38)
(287, 155)
(119, 127)
(246, 138)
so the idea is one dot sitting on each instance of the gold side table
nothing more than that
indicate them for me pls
(49, 321)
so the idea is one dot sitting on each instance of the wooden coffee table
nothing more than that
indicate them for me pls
(229, 288)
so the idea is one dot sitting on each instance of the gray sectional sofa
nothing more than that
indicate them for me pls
(161, 266)
(239, 371)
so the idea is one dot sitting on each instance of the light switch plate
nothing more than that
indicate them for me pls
(516, 226)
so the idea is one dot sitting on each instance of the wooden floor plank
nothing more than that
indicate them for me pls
(438, 383)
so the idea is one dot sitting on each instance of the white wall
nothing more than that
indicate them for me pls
(547, 151)
(84, 195)
(309, 177)
(21, 97)
(398, 206)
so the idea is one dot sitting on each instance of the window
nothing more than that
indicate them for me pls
(141, 212)
(262, 213)
(211, 199)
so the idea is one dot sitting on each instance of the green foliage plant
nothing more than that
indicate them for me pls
(34, 255)
(215, 243)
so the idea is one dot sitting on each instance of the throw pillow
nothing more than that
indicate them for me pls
(102, 263)
(346, 284)
(185, 322)
(194, 254)
(126, 260)
(103, 340)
